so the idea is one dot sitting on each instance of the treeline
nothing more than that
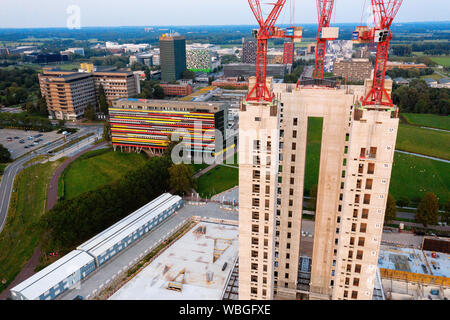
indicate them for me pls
(297, 69)
(16, 84)
(432, 48)
(409, 73)
(25, 121)
(74, 221)
(419, 98)
(151, 89)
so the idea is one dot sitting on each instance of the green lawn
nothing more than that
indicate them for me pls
(413, 176)
(312, 164)
(215, 181)
(423, 141)
(22, 232)
(427, 120)
(95, 169)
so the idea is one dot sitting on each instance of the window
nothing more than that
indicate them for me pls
(367, 199)
(292, 180)
(291, 192)
(369, 183)
(353, 227)
(255, 228)
(354, 294)
(267, 189)
(356, 198)
(288, 245)
(254, 254)
(371, 168)
(358, 184)
(349, 268)
(256, 144)
(294, 145)
(357, 268)
(373, 152)
(256, 174)
(255, 241)
(363, 227)
(365, 213)
(286, 276)
(254, 290)
(267, 202)
(254, 266)
(294, 134)
(350, 254)
(362, 154)
(256, 160)
(255, 202)
(359, 254)
(361, 241)
(355, 213)
(255, 188)
(293, 157)
(361, 168)
(292, 169)
(345, 293)
(287, 265)
(295, 121)
(352, 241)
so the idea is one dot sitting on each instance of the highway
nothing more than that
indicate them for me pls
(7, 182)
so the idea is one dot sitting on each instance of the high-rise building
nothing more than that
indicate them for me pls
(356, 157)
(198, 60)
(249, 51)
(172, 56)
(67, 95)
(288, 53)
(353, 69)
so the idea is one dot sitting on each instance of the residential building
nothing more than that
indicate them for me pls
(199, 60)
(404, 65)
(356, 156)
(353, 69)
(117, 84)
(288, 53)
(246, 69)
(249, 51)
(172, 56)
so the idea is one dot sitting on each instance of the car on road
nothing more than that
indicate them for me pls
(26, 147)
(16, 138)
(30, 138)
(78, 298)
(10, 139)
(22, 141)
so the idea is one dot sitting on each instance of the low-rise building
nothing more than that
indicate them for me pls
(179, 90)
(148, 124)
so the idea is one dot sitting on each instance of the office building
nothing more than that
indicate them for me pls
(117, 84)
(199, 60)
(148, 124)
(246, 70)
(179, 90)
(356, 156)
(67, 94)
(172, 56)
(249, 52)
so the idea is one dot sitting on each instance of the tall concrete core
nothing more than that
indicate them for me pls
(356, 157)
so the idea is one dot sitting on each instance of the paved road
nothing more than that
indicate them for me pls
(124, 260)
(7, 182)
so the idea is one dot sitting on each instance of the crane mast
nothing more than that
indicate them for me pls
(384, 12)
(324, 12)
(267, 30)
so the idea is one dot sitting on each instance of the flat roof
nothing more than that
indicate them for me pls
(123, 102)
(414, 260)
(48, 277)
(106, 239)
(192, 254)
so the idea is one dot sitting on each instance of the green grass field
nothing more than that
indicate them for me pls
(412, 177)
(22, 232)
(423, 141)
(427, 120)
(215, 181)
(95, 169)
(442, 60)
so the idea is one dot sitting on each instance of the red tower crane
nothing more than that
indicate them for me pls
(384, 12)
(267, 30)
(324, 11)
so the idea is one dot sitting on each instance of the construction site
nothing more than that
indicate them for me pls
(197, 266)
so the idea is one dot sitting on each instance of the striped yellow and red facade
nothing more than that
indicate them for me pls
(149, 124)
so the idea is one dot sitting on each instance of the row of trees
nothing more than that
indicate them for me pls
(25, 121)
(427, 211)
(419, 98)
(151, 89)
(409, 73)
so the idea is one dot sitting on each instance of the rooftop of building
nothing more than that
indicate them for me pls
(414, 261)
(197, 266)
(175, 104)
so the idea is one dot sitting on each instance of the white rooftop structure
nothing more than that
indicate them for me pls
(188, 264)
(33, 287)
(106, 239)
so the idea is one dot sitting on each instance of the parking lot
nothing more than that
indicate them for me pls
(23, 141)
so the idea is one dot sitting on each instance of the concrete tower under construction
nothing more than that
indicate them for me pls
(356, 157)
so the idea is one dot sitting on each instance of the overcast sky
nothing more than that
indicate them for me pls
(53, 13)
